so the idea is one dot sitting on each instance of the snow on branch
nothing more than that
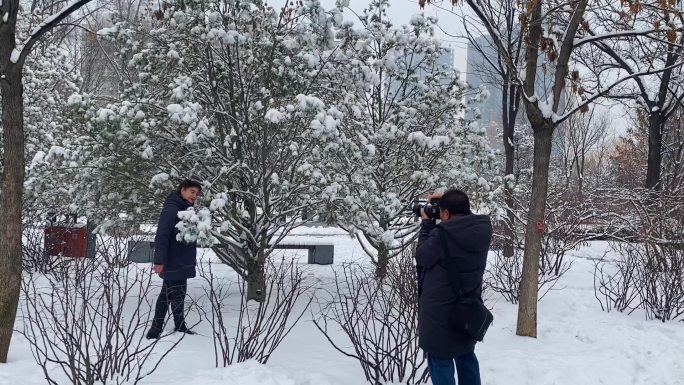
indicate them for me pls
(20, 52)
(560, 118)
(605, 36)
(569, 43)
(567, 47)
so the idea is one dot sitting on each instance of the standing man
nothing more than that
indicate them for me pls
(468, 237)
(174, 261)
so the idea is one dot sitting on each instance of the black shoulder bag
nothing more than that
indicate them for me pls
(469, 315)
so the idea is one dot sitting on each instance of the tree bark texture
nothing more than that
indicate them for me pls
(11, 90)
(527, 307)
(655, 151)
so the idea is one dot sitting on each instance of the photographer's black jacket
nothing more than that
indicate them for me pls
(469, 238)
(179, 259)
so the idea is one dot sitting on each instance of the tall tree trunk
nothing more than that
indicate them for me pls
(580, 178)
(655, 148)
(508, 120)
(12, 92)
(527, 307)
(12, 95)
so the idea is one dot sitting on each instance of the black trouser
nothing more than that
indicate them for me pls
(172, 292)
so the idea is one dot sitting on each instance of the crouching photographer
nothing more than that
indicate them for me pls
(451, 258)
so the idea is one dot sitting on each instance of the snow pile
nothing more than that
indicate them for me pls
(254, 373)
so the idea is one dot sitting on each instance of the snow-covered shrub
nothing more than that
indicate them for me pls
(646, 273)
(34, 257)
(615, 280)
(252, 330)
(379, 317)
(561, 234)
(645, 276)
(661, 280)
(504, 274)
(86, 323)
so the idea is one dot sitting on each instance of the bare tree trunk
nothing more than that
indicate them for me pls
(256, 274)
(579, 169)
(256, 281)
(12, 94)
(580, 177)
(383, 262)
(508, 120)
(527, 307)
(12, 91)
(655, 148)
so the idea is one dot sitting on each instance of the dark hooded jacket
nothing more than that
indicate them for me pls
(468, 239)
(179, 259)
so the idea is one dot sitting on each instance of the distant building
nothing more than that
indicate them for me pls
(479, 73)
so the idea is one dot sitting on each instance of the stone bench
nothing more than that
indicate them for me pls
(318, 253)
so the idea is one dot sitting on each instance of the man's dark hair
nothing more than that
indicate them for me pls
(456, 201)
(189, 183)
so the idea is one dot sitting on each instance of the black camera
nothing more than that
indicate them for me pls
(431, 208)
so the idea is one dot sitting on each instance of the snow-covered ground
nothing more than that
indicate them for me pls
(577, 343)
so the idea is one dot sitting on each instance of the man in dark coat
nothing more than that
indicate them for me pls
(174, 261)
(468, 239)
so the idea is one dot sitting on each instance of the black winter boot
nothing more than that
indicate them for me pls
(184, 329)
(154, 332)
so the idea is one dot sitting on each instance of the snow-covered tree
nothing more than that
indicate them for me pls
(96, 167)
(225, 92)
(14, 51)
(99, 151)
(403, 129)
(49, 81)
